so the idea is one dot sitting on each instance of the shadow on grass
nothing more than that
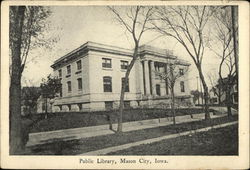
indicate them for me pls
(222, 141)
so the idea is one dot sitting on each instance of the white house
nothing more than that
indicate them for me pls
(215, 93)
(92, 75)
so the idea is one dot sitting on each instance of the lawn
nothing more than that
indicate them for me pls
(73, 147)
(57, 121)
(223, 141)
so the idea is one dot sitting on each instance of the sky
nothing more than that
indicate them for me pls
(75, 25)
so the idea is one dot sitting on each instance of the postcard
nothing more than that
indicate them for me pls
(125, 85)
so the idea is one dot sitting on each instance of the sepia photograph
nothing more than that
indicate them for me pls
(123, 81)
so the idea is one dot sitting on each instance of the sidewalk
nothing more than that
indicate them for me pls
(85, 132)
(152, 140)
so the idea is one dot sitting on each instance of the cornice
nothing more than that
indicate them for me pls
(92, 46)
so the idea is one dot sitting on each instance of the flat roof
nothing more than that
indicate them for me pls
(93, 46)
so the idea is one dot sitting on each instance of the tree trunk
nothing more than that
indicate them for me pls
(173, 104)
(234, 11)
(219, 96)
(228, 101)
(16, 142)
(206, 97)
(229, 111)
(121, 107)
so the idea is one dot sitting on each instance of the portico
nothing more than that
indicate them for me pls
(149, 80)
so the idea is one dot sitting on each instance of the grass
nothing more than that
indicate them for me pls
(73, 147)
(57, 121)
(222, 141)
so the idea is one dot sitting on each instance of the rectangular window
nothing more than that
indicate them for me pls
(107, 84)
(109, 105)
(126, 86)
(158, 89)
(79, 82)
(124, 65)
(69, 86)
(69, 106)
(60, 107)
(79, 106)
(60, 73)
(68, 69)
(181, 72)
(182, 86)
(79, 65)
(60, 91)
(106, 63)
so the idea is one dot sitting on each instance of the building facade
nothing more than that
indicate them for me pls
(218, 96)
(92, 76)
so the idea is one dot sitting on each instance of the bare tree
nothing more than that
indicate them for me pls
(35, 27)
(27, 23)
(217, 86)
(135, 20)
(50, 88)
(175, 71)
(224, 38)
(187, 25)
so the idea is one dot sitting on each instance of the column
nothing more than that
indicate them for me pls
(141, 77)
(146, 71)
(153, 77)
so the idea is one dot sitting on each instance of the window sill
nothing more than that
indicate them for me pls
(108, 69)
(123, 70)
(67, 75)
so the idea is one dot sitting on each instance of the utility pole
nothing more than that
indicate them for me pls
(234, 11)
(235, 40)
